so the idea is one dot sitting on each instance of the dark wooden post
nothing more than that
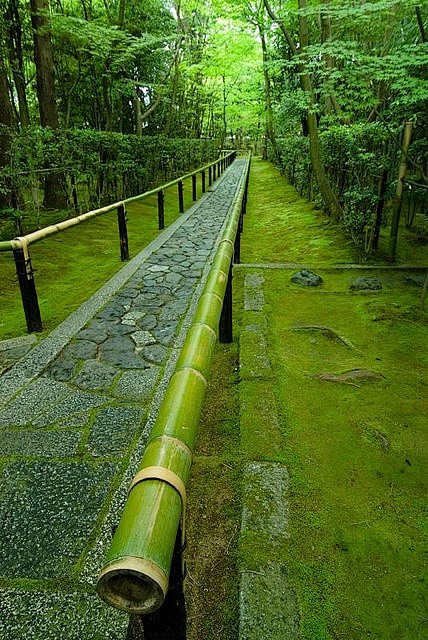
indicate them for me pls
(169, 621)
(225, 325)
(210, 176)
(180, 197)
(380, 206)
(161, 209)
(123, 233)
(194, 196)
(203, 180)
(27, 286)
(237, 247)
(214, 172)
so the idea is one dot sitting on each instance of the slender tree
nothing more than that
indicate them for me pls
(54, 195)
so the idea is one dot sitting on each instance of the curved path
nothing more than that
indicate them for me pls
(75, 413)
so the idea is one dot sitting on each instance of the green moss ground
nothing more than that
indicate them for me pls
(356, 455)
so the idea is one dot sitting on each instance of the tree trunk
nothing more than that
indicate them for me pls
(270, 132)
(6, 121)
(402, 170)
(16, 60)
(330, 200)
(54, 197)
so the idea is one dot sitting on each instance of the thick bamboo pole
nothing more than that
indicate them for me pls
(135, 575)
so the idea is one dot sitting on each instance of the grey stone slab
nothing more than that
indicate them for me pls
(32, 615)
(84, 349)
(254, 360)
(137, 385)
(17, 343)
(62, 369)
(132, 317)
(254, 280)
(147, 323)
(253, 299)
(121, 353)
(165, 334)
(265, 505)
(95, 333)
(268, 605)
(47, 513)
(143, 338)
(95, 375)
(36, 398)
(113, 430)
(155, 353)
(72, 406)
(26, 442)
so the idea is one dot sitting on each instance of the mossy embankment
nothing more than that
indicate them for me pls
(354, 449)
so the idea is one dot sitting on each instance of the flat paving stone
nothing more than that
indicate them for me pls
(26, 442)
(95, 375)
(113, 430)
(36, 398)
(45, 522)
(35, 615)
(77, 402)
(137, 385)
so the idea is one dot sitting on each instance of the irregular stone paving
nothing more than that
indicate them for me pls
(73, 426)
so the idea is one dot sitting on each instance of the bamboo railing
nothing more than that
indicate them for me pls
(20, 245)
(136, 572)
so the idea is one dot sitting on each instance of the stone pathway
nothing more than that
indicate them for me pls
(75, 412)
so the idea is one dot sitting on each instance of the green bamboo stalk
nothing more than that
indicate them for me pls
(135, 575)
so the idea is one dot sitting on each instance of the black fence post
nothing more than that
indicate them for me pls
(225, 325)
(169, 621)
(203, 180)
(161, 209)
(27, 286)
(180, 197)
(123, 233)
(237, 247)
(194, 196)
(210, 176)
(214, 172)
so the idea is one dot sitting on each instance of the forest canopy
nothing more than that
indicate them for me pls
(323, 86)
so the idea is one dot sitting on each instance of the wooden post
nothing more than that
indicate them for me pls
(210, 176)
(402, 170)
(169, 621)
(237, 248)
(123, 233)
(194, 196)
(180, 197)
(203, 180)
(214, 172)
(27, 286)
(225, 325)
(380, 206)
(161, 209)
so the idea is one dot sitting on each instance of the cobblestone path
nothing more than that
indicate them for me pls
(75, 413)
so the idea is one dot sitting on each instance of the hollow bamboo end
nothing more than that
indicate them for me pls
(134, 585)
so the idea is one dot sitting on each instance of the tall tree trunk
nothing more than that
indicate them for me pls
(6, 124)
(54, 197)
(16, 60)
(331, 202)
(270, 132)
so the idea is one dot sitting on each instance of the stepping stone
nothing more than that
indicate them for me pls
(307, 278)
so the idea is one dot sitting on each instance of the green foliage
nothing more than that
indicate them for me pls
(102, 167)
(354, 157)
